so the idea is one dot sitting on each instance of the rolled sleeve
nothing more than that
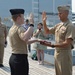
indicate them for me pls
(21, 32)
(70, 32)
(25, 34)
(71, 35)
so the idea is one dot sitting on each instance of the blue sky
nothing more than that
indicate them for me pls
(73, 5)
(27, 5)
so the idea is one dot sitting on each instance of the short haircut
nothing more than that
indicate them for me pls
(14, 17)
(27, 20)
(40, 24)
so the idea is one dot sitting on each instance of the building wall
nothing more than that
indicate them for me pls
(50, 6)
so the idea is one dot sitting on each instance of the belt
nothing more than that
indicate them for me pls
(20, 54)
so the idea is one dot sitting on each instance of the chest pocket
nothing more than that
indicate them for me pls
(58, 30)
(62, 32)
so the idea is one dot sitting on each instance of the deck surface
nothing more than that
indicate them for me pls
(34, 68)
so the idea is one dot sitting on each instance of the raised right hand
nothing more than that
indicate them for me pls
(45, 43)
(31, 18)
(44, 17)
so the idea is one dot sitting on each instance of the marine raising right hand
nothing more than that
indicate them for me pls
(44, 17)
(31, 18)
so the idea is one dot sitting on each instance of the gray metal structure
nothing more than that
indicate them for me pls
(50, 6)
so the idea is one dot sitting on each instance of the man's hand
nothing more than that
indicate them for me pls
(44, 17)
(5, 43)
(31, 18)
(38, 31)
(45, 43)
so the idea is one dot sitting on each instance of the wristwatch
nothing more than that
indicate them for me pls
(52, 46)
